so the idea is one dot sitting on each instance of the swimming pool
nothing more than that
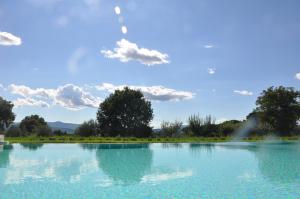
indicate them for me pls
(217, 170)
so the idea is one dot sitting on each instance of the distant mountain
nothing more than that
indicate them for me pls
(68, 127)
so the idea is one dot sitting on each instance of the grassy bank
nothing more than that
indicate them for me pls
(76, 139)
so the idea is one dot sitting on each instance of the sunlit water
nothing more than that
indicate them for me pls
(221, 170)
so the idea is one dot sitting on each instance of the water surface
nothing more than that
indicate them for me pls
(219, 170)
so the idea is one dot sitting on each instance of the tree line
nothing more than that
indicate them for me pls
(126, 113)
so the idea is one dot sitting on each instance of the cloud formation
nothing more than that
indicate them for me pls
(211, 71)
(30, 102)
(127, 51)
(8, 39)
(156, 93)
(297, 76)
(68, 96)
(243, 92)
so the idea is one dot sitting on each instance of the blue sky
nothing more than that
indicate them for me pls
(61, 58)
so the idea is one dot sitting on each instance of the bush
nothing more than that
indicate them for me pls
(205, 127)
(228, 127)
(59, 132)
(42, 131)
(88, 128)
(169, 129)
(195, 123)
(13, 131)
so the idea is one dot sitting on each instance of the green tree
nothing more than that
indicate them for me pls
(228, 127)
(88, 128)
(195, 125)
(34, 124)
(6, 115)
(279, 107)
(125, 113)
(13, 131)
(170, 129)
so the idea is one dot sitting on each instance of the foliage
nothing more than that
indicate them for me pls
(170, 129)
(13, 131)
(125, 113)
(195, 123)
(42, 130)
(59, 132)
(35, 124)
(6, 115)
(98, 139)
(228, 127)
(279, 107)
(88, 128)
(202, 126)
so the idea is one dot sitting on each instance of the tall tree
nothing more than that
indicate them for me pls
(279, 107)
(125, 113)
(6, 115)
(31, 124)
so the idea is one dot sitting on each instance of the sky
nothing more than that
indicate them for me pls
(61, 58)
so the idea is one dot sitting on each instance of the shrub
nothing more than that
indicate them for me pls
(169, 129)
(88, 128)
(42, 131)
(13, 131)
(195, 123)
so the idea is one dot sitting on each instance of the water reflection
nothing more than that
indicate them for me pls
(4, 155)
(200, 148)
(171, 145)
(32, 147)
(277, 162)
(127, 164)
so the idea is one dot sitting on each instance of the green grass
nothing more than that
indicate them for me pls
(76, 139)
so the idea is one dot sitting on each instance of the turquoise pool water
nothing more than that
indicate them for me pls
(220, 170)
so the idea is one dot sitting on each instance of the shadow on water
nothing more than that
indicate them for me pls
(32, 147)
(277, 161)
(4, 155)
(124, 163)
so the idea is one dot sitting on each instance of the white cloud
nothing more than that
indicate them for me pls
(155, 178)
(117, 10)
(30, 102)
(211, 71)
(208, 46)
(1, 86)
(297, 76)
(68, 96)
(8, 39)
(74, 97)
(243, 92)
(156, 93)
(127, 51)
(74, 60)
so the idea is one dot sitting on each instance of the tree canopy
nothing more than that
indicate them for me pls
(125, 113)
(6, 115)
(35, 124)
(279, 107)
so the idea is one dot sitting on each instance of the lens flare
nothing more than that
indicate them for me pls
(117, 10)
(124, 29)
